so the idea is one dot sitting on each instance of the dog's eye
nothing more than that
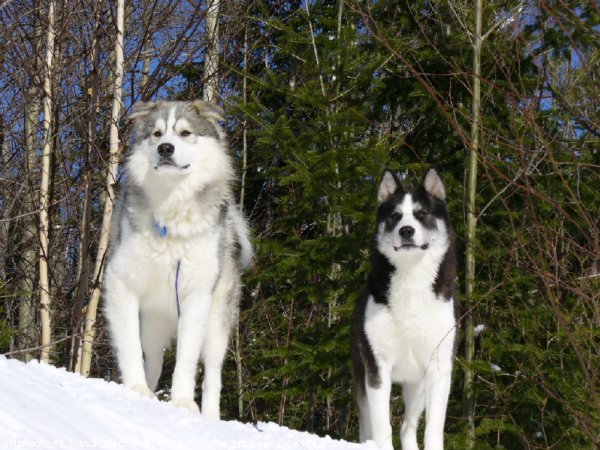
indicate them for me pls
(396, 216)
(186, 133)
(157, 133)
(420, 214)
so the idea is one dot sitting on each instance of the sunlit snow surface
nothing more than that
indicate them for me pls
(45, 407)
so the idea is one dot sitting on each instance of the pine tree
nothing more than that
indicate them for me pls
(318, 150)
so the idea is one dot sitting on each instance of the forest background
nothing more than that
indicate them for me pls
(320, 96)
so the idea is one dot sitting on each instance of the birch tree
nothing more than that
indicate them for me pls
(44, 286)
(211, 57)
(27, 332)
(83, 276)
(111, 179)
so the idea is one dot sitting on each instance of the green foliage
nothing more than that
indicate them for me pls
(391, 88)
(5, 330)
(334, 94)
(315, 160)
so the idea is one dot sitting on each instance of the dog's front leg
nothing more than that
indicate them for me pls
(191, 330)
(122, 312)
(414, 403)
(379, 410)
(437, 391)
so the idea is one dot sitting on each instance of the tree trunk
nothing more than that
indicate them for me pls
(27, 336)
(83, 268)
(211, 59)
(469, 395)
(27, 329)
(44, 286)
(238, 342)
(147, 52)
(111, 178)
(4, 224)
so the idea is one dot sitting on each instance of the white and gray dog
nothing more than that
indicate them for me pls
(178, 247)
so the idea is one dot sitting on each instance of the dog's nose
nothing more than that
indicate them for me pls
(407, 232)
(166, 150)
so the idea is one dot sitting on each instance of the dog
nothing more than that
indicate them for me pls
(179, 244)
(403, 327)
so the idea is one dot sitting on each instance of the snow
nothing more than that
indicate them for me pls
(42, 406)
(479, 329)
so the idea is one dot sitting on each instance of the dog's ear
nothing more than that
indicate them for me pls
(141, 109)
(389, 184)
(433, 185)
(208, 110)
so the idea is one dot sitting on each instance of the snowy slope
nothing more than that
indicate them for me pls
(45, 407)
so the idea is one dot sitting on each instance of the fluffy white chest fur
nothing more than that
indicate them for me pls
(413, 329)
(149, 263)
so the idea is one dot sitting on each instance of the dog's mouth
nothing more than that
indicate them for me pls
(168, 162)
(410, 246)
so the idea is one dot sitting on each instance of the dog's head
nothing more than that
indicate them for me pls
(176, 138)
(409, 223)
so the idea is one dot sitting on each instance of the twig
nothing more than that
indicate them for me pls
(39, 347)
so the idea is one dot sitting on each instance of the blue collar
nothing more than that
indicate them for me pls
(160, 230)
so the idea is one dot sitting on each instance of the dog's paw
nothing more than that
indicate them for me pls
(142, 390)
(186, 403)
(212, 413)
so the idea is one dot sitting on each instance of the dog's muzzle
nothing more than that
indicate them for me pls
(404, 240)
(165, 152)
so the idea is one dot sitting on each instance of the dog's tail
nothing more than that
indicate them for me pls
(243, 236)
(247, 254)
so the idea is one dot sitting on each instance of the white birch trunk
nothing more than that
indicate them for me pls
(111, 178)
(46, 335)
(211, 59)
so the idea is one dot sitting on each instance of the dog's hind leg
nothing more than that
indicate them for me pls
(223, 315)
(214, 354)
(156, 333)
(364, 418)
(414, 404)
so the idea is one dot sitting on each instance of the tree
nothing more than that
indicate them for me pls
(27, 315)
(211, 58)
(320, 97)
(512, 107)
(44, 193)
(83, 263)
(477, 39)
(312, 150)
(111, 179)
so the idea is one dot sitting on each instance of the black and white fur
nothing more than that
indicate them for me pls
(176, 209)
(403, 328)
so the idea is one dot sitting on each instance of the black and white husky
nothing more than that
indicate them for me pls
(178, 248)
(403, 327)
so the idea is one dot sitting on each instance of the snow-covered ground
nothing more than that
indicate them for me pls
(45, 407)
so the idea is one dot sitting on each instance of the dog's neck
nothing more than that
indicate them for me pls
(175, 207)
(418, 268)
